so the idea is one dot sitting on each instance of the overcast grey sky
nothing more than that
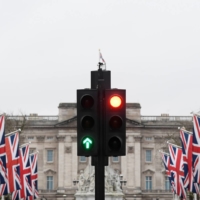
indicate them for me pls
(48, 48)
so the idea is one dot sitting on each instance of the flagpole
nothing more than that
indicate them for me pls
(101, 58)
(195, 196)
(181, 129)
(163, 152)
(36, 152)
(173, 144)
(8, 134)
(197, 114)
(24, 144)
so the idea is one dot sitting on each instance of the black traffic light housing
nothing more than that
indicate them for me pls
(115, 122)
(87, 122)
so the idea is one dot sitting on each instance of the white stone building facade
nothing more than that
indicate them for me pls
(58, 165)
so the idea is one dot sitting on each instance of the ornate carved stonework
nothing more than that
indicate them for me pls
(148, 172)
(86, 181)
(49, 172)
(61, 138)
(40, 138)
(130, 149)
(74, 138)
(68, 149)
(158, 139)
(137, 138)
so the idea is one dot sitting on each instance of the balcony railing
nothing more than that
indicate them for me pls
(47, 191)
(166, 118)
(143, 118)
(40, 118)
(156, 191)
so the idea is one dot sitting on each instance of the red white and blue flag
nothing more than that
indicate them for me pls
(25, 174)
(176, 168)
(16, 195)
(13, 162)
(196, 148)
(186, 141)
(166, 162)
(34, 174)
(3, 176)
(4, 190)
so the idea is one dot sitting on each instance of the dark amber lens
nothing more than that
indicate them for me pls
(87, 101)
(115, 122)
(114, 144)
(87, 122)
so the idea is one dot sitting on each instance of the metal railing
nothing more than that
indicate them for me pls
(166, 118)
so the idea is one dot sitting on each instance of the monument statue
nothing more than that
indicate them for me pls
(86, 182)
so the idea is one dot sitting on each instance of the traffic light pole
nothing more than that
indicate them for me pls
(99, 167)
(101, 129)
(101, 80)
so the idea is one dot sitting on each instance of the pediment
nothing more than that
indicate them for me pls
(148, 171)
(49, 171)
(72, 122)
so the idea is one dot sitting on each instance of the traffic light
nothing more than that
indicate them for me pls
(87, 122)
(115, 122)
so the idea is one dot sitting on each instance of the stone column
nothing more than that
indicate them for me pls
(68, 163)
(61, 161)
(124, 166)
(137, 162)
(74, 159)
(41, 158)
(159, 142)
(130, 163)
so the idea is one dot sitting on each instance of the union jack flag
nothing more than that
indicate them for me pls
(196, 148)
(34, 174)
(176, 168)
(186, 141)
(3, 176)
(166, 162)
(25, 174)
(13, 163)
(16, 195)
(4, 189)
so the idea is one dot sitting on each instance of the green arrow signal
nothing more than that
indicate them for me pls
(87, 142)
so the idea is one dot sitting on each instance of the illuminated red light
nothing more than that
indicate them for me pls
(115, 101)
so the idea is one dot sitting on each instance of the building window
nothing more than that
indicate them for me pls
(83, 159)
(115, 159)
(49, 182)
(148, 138)
(30, 138)
(148, 183)
(148, 155)
(167, 183)
(49, 155)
